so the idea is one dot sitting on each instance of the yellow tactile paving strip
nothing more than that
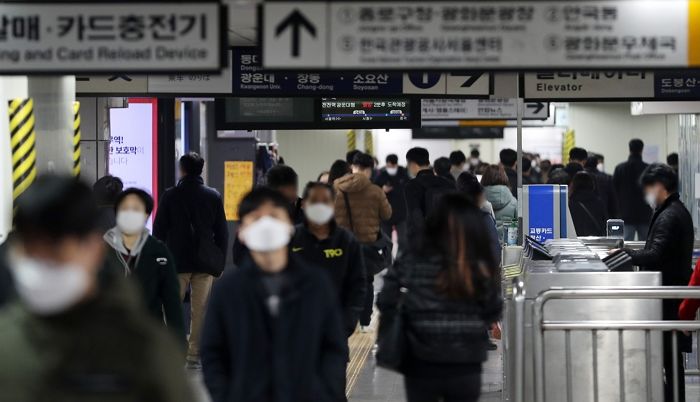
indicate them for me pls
(361, 345)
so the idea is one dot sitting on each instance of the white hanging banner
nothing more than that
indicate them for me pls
(107, 36)
(482, 34)
(481, 109)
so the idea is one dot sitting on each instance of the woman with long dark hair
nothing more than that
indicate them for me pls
(448, 295)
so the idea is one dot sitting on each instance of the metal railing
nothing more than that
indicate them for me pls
(540, 325)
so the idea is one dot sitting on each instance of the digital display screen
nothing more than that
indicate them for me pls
(336, 110)
(267, 110)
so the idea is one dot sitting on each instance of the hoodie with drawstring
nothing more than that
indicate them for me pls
(151, 265)
(505, 206)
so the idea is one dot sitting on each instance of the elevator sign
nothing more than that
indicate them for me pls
(108, 37)
(444, 35)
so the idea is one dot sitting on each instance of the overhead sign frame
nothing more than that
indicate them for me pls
(482, 109)
(600, 85)
(673, 47)
(315, 122)
(70, 56)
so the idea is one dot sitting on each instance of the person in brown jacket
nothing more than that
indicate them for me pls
(369, 207)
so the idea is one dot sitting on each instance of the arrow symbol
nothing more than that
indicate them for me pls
(538, 106)
(471, 80)
(296, 20)
(119, 77)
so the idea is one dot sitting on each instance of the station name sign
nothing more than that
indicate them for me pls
(106, 37)
(513, 35)
(598, 85)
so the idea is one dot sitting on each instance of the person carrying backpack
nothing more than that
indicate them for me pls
(423, 191)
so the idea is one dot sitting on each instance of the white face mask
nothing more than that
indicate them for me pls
(392, 171)
(131, 222)
(650, 198)
(600, 167)
(267, 234)
(47, 288)
(320, 214)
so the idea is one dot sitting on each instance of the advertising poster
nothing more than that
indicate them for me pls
(238, 181)
(132, 148)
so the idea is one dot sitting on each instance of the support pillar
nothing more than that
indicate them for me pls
(53, 107)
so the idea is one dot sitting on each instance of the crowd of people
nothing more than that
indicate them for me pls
(88, 291)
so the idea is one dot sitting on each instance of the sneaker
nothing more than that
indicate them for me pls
(365, 329)
(193, 365)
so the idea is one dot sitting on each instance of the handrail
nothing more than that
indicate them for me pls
(519, 300)
(599, 292)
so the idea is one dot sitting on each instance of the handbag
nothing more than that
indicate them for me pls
(392, 339)
(209, 257)
(378, 253)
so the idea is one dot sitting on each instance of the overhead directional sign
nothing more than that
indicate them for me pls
(477, 84)
(296, 34)
(444, 35)
(251, 79)
(481, 109)
(111, 36)
(589, 85)
(111, 84)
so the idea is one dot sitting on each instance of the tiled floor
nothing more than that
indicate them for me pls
(375, 384)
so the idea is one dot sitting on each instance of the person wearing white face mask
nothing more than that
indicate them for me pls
(77, 331)
(335, 250)
(393, 179)
(669, 249)
(273, 328)
(134, 253)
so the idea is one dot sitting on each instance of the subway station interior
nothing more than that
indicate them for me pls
(295, 201)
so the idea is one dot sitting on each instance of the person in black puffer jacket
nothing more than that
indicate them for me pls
(453, 296)
(587, 209)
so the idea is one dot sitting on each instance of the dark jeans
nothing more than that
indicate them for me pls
(668, 370)
(366, 316)
(466, 388)
(401, 231)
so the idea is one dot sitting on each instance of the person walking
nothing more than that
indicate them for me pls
(393, 179)
(106, 190)
(422, 192)
(469, 186)
(134, 253)
(587, 209)
(273, 331)
(320, 242)
(191, 222)
(509, 159)
(633, 209)
(360, 207)
(285, 180)
(603, 183)
(442, 168)
(77, 332)
(458, 162)
(451, 294)
(668, 249)
(505, 205)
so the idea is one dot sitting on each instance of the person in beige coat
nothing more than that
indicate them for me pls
(369, 207)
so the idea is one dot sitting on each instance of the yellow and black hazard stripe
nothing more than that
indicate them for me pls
(23, 144)
(76, 139)
(568, 144)
(369, 142)
(352, 140)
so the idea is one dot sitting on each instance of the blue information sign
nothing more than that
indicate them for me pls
(677, 84)
(541, 212)
(250, 79)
